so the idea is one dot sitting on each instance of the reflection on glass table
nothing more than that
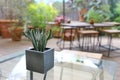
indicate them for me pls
(67, 67)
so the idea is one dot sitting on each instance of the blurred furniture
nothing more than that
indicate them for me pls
(73, 29)
(68, 34)
(95, 26)
(89, 40)
(110, 34)
(75, 67)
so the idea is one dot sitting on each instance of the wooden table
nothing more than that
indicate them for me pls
(114, 23)
(77, 24)
(85, 24)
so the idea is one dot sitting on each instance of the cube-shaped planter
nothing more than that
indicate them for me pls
(38, 61)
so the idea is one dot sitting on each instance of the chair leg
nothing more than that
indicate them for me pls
(94, 41)
(109, 41)
(79, 37)
(82, 42)
(71, 39)
(99, 43)
(87, 42)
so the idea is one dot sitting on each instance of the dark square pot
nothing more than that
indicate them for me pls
(40, 61)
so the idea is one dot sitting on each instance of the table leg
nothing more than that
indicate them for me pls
(71, 39)
(31, 75)
(45, 76)
(99, 42)
(63, 39)
(109, 42)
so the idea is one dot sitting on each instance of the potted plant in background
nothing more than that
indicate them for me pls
(117, 11)
(10, 13)
(39, 58)
(16, 30)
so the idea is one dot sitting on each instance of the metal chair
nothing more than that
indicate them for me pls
(110, 34)
(89, 40)
(68, 34)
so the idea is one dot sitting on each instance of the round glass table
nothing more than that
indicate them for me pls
(67, 66)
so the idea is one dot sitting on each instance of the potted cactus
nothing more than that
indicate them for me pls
(39, 58)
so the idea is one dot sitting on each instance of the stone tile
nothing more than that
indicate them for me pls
(8, 47)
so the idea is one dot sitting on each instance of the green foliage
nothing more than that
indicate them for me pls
(117, 10)
(40, 14)
(97, 17)
(99, 12)
(118, 27)
(56, 28)
(106, 12)
(39, 38)
(117, 16)
(117, 19)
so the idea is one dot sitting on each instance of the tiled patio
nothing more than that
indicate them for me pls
(9, 49)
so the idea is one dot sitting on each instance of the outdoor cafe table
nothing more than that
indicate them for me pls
(74, 65)
(82, 25)
(85, 24)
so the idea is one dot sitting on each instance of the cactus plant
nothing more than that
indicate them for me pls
(39, 38)
(39, 59)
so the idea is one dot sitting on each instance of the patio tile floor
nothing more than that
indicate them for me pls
(11, 48)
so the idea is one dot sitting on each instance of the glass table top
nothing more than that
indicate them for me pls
(67, 67)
